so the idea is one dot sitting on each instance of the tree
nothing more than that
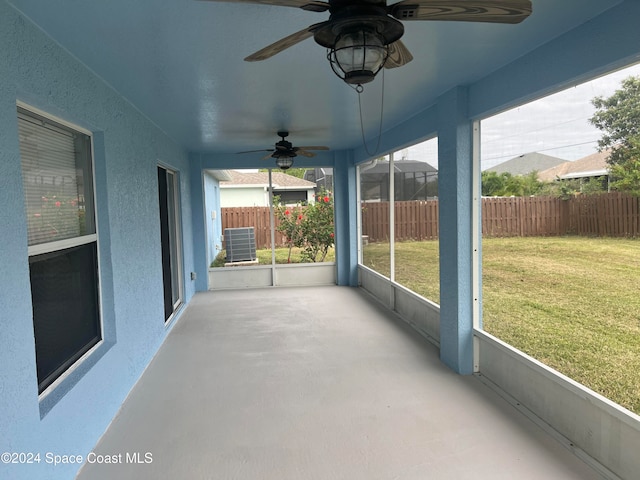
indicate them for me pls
(492, 184)
(626, 175)
(308, 227)
(507, 185)
(618, 116)
(317, 228)
(290, 224)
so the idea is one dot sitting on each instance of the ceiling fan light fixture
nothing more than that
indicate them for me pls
(358, 55)
(284, 163)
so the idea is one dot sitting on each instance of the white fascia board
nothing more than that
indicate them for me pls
(591, 173)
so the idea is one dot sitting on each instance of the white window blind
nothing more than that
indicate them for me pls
(54, 180)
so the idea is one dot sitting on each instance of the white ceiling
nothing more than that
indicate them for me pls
(180, 62)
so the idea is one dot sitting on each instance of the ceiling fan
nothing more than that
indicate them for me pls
(363, 36)
(285, 152)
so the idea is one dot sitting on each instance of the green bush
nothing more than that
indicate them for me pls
(309, 228)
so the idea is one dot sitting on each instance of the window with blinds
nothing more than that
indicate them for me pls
(56, 173)
(63, 258)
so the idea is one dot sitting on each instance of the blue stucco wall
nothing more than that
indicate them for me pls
(346, 219)
(214, 226)
(36, 71)
(455, 210)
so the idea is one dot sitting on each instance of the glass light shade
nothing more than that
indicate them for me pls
(358, 51)
(284, 162)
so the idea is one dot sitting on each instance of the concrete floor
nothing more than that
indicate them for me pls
(316, 383)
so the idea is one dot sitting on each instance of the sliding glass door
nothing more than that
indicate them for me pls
(170, 240)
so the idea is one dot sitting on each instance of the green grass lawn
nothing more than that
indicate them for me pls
(570, 302)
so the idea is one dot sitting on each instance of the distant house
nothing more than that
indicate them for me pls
(252, 189)
(321, 176)
(413, 180)
(527, 163)
(591, 166)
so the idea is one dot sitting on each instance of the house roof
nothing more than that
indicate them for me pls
(399, 165)
(280, 180)
(220, 175)
(590, 166)
(527, 163)
(403, 166)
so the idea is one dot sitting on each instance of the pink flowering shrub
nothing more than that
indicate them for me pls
(309, 227)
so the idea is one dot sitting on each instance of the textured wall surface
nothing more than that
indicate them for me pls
(455, 214)
(128, 147)
(214, 225)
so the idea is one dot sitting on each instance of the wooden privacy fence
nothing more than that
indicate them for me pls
(611, 214)
(524, 216)
(256, 217)
(509, 216)
(414, 220)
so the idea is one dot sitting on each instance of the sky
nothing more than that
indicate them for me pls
(557, 125)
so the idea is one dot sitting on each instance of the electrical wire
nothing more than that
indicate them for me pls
(535, 130)
(539, 150)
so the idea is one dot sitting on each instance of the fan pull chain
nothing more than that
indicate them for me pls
(360, 89)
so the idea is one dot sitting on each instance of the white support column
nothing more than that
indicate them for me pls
(272, 230)
(476, 227)
(392, 220)
(359, 215)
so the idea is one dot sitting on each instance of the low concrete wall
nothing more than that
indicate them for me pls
(299, 274)
(599, 431)
(239, 277)
(305, 274)
(421, 313)
(377, 285)
(594, 427)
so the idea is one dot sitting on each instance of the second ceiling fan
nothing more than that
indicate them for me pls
(284, 151)
(363, 36)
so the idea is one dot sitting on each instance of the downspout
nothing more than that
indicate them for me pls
(370, 165)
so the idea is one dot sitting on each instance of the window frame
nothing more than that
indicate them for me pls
(58, 245)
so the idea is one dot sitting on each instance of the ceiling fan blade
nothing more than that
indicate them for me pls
(295, 149)
(491, 11)
(399, 55)
(254, 151)
(282, 44)
(269, 155)
(310, 5)
(304, 153)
